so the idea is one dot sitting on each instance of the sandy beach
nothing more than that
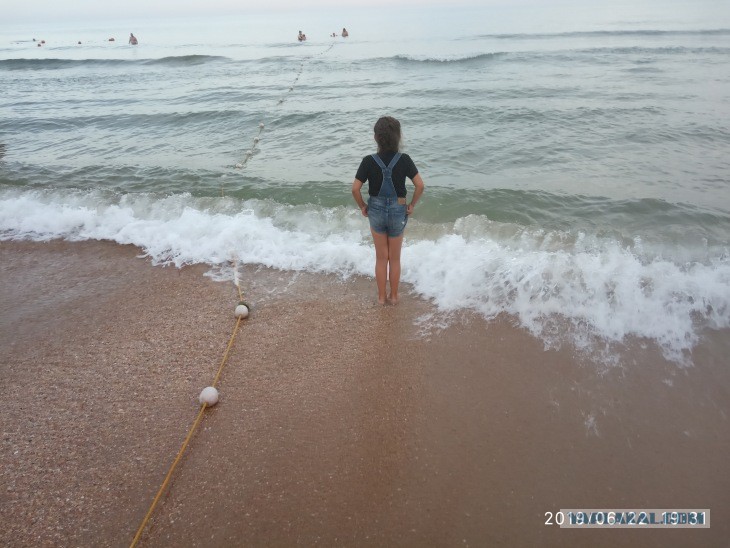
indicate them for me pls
(341, 423)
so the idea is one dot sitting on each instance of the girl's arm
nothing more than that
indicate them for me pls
(418, 183)
(356, 187)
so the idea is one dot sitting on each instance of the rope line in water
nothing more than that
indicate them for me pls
(248, 154)
(192, 430)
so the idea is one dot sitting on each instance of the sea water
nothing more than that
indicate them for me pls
(577, 162)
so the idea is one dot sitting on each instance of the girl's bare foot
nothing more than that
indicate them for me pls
(382, 300)
(393, 299)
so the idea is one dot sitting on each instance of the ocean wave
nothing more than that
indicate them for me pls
(185, 60)
(659, 50)
(624, 219)
(470, 58)
(605, 55)
(597, 286)
(607, 33)
(583, 55)
(55, 64)
(149, 121)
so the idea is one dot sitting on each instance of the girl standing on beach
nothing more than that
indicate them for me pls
(386, 208)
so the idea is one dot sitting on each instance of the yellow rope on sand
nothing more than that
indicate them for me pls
(190, 433)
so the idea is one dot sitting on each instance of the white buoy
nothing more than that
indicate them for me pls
(256, 139)
(241, 310)
(261, 125)
(239, 166)
(209, 395)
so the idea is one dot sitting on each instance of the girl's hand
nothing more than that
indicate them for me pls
(364, 210)
(409, 209)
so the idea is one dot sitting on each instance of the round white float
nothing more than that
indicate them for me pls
(241, 311)
(209, 395)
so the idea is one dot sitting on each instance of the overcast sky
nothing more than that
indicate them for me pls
(24, 10)
(49, 10)
(77, 11)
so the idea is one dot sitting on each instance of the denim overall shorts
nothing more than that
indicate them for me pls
(386, 215)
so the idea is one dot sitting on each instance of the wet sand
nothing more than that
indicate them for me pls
(341, 423)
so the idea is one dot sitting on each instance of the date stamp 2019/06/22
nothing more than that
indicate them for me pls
(629, 518)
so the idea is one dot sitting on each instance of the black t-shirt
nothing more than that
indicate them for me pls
(370, 172)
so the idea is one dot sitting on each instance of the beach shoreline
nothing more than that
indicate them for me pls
(340, 422)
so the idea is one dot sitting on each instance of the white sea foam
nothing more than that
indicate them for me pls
(453, 58)
(582, 289)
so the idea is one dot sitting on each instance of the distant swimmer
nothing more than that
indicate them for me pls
(345, 34)
(111, 40)
(132, 39)
(302, 37)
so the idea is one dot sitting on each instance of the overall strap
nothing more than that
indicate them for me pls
(378, 161)
(392, 163)
(387, 188)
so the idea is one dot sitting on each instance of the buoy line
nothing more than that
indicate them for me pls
(250, 152)
(209, 395)
(208, 398)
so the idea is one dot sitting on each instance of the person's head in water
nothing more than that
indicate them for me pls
(387, 134)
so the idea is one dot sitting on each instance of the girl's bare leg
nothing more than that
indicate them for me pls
(394, 247)
(381, 263)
